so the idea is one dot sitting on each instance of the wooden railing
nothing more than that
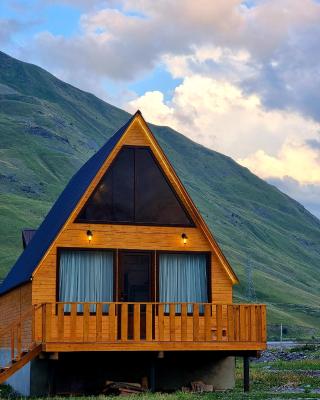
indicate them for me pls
(100, 326)
(17, 338)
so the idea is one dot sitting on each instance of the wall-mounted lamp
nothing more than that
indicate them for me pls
(184, 238)
(89, 235)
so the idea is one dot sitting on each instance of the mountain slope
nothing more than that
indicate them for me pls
(49, 128)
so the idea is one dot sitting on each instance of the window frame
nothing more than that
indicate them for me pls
(208, 255)
(155, 270)
(106, 222)
(115, 271)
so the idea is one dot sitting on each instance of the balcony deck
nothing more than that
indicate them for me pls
(66, 327)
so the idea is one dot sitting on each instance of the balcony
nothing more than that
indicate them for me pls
(149, 326)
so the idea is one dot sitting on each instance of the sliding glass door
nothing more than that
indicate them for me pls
(88, 276)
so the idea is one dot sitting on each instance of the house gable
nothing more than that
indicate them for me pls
(135, 133)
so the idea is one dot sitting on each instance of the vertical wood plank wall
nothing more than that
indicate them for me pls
(13, 305)
(127, 237)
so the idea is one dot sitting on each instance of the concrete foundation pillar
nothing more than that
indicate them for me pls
(173, 373)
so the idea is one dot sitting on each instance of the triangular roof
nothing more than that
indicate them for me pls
(43, 238)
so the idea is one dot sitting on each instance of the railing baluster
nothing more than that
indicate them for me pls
(61, 321)
(230, 328)
(73, 322)
(33, 324)
(172, 320)
(98, 322)
(161, 322)
(263, 324)
(47, 321)
(124, 321)
(149, 322)
(258, 323)
(184, 322)
(86, 321)
(253, 324)
(43, 323)
(242, 323)
(136, 321)
(112, 322)
(219, 322)
(19, 347)
(195, 321)
(12, 345)
(207, 323)
(237, 323)
(248, 323)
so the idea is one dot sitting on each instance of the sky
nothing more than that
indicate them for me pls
(239, 77)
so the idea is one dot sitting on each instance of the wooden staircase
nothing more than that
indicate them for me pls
(16, 364)
(17, 346)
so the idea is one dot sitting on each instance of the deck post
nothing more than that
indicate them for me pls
(153, 376)
(246, 374)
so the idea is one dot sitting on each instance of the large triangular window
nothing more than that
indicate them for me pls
(134, 190)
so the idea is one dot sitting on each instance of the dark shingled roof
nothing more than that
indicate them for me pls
(22, 270)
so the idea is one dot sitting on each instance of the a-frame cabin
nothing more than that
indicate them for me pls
(124, 280)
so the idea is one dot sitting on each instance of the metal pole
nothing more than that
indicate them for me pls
(246, 374)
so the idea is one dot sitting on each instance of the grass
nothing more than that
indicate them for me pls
(49, 128)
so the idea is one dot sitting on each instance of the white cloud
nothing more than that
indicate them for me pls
(296, 160)
(272, 48)
(219, 115)
(250, 75)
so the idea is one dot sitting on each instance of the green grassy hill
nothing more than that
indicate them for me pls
(49, 128)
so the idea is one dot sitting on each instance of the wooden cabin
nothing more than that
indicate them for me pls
(123, 281)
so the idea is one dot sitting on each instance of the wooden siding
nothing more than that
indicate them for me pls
(129, 236)
(15, 322)
(14, 304)
(222, 326)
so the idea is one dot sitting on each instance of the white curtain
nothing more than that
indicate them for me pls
(85, 276)
(183, 278)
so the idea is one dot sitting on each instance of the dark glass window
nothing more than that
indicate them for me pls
(135, 190)
(112, 199)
